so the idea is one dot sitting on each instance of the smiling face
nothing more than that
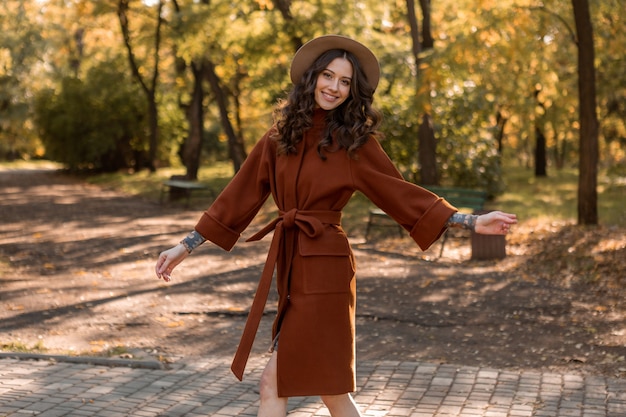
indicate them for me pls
(333, 84)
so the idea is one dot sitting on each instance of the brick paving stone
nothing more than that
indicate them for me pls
(119, 409)
(57, 413)
(81, 412)
(388, 388)
(142, 413)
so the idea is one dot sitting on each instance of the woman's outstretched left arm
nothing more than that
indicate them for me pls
(492, 223)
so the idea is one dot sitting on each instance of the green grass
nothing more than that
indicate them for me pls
(552, 198)
(33, 164)
(147, 184)
(547, 199)
(117, 351)
(22, 348)
(555, 197)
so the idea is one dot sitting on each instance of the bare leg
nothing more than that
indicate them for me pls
(341, 405)
(271, 404)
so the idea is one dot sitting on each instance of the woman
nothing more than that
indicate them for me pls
(321, 149)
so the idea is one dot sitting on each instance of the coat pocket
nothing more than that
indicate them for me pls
(327, 263)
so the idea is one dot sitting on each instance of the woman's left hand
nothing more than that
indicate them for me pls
(495, 223)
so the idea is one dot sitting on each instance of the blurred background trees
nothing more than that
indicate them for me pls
(133, 84)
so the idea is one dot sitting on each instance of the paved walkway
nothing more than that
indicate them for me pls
(52, 388)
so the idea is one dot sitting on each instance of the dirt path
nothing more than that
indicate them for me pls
(76, 275)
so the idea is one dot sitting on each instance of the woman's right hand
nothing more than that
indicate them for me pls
(168, 260)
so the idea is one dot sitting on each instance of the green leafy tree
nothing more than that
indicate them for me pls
(498, 73)
(608, 19)
(88, 125)
(20, 48)
(148, 82)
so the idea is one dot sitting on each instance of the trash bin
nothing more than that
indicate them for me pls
(486, 247)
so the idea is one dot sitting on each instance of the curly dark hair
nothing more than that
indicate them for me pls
(351, 124)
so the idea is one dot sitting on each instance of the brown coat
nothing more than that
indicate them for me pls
(315, 265)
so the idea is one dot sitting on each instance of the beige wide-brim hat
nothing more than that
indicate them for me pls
(310, 51)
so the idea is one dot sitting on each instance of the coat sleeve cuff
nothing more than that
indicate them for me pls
(218, 233)
(432, 223)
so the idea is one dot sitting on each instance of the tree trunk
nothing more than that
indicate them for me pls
(192, 148)
(236, 147)
(153, 126)
(500, 124)
(149, 90)
(415, 41)
(588, 159)
(540, 153)
(426, 146)
(427, 38)
(540, 139)
(427, 152)
(284, 6)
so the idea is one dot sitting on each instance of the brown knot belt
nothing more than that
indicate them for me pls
(310, 222)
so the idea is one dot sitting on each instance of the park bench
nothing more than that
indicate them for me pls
(464, 199)
(179, 188)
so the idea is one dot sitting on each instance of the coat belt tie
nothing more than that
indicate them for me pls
(310, 222)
